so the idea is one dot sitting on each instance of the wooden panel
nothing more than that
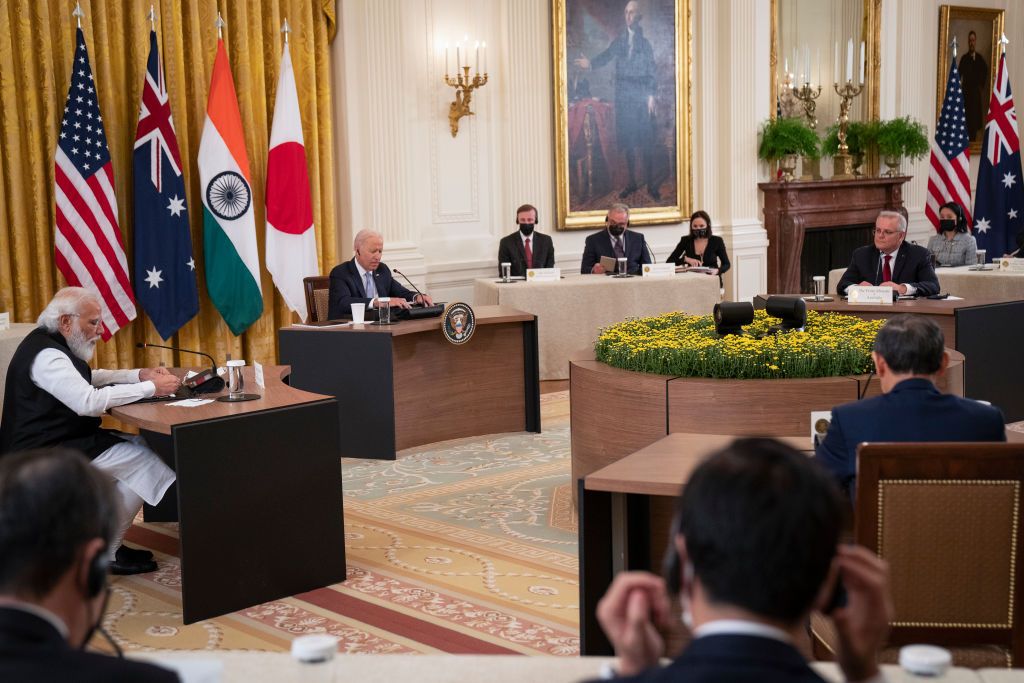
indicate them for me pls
(485, 315)
(754, 407)
(443, 392)
(613, 413)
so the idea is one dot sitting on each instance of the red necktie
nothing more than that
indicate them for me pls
(529, 254)
(886, 271)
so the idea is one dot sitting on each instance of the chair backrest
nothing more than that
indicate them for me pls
(317, 289)
(947, 518)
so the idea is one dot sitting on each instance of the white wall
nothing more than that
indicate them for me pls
(443, 203)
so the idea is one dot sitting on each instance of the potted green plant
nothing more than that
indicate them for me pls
(783, 140)
(861, 139)
(902, 137)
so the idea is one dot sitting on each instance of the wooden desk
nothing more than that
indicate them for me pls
(989, 331)
(405, 385)
(259, 518)
(1003, 285)
(618, 498)
(571, 311)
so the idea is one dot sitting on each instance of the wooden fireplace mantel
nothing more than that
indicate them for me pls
(792, 208)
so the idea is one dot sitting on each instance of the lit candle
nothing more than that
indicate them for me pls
(807, 64)
(817, 65)
(862, 60)
(849, 60)
(785, 67)
(447, 63)
(484, 46)
(458, 57)
(477, 65)
(835, 65)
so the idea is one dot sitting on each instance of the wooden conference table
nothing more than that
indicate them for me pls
(989, 331)
(571, 311)
(406, 385)
(258, 495)
(1005, 285)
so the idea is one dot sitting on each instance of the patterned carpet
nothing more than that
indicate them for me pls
(467, 546)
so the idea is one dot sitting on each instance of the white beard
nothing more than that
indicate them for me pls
(80, 346)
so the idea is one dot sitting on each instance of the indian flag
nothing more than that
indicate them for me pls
(229, 224)
(291, 240)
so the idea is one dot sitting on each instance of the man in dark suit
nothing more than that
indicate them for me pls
(58, 515)
(754, 548)
(365, 280)
(909, 357)
(891, 262)
(615, 241)
(526, 248)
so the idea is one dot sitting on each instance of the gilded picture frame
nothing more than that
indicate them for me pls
(622, 110)
(977, 83)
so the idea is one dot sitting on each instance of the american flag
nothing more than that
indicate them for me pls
(1000, 207)
(88, 247)
(951, 154)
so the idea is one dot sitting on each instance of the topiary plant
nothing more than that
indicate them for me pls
(781, 137)
(903, 137)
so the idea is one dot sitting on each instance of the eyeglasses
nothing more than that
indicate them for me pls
(887, 233)
(95, 322)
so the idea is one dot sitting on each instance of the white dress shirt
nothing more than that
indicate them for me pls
(53, 372)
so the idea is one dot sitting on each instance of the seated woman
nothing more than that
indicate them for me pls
(701, 248)
(954, 246)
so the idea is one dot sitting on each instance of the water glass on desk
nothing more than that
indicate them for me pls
(621, 269)
(236, 385)
(819, 287)
(358, 314)
(506, 272)
(384, 312)
(980, 253)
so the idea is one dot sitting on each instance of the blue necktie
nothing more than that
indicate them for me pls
(371, 291)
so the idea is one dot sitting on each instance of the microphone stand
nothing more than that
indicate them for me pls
(423, 297)
(212, 384)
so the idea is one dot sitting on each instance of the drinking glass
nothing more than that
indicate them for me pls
(358, 313)
(622, 266)
(981, 259)
(819, 287)
(236, 385)
(384, 312)
(506, 272)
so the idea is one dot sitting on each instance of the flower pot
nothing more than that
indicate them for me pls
(787, 165)
(893, 162)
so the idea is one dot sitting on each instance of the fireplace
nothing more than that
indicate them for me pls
(822, 222)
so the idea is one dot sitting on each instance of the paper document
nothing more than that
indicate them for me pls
(191, 402)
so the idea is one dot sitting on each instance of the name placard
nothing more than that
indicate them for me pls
(658, 269)
(543, 274)
(1013, 265)
(863, 294)
(258, 368)
(5, 321)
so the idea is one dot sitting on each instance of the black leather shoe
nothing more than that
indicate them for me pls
(126, 554)
(119, 568)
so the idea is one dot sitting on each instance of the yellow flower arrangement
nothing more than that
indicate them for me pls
(687, 345)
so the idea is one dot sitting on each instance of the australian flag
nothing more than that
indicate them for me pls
(999, 202)
(165, 272)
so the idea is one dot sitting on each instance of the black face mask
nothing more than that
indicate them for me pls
(700, 232)
(616, 230)
(526, 228)
(947, 225)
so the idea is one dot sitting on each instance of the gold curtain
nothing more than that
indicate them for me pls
(37, 39)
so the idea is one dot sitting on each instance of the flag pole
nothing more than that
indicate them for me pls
(78, 13)
(152, 19)
(1003, 42)
(220, 26)
(953, 44)
(286, 30)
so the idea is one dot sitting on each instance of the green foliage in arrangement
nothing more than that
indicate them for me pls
(688, 346)
(903, 137)
(782, 136)
(861, 136)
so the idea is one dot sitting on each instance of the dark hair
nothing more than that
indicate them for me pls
(528, 207)
(961, 221)
(761, 523)
(911, 343)
(705, 216)
(51, 502)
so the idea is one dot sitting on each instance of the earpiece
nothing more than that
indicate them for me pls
(97, 578)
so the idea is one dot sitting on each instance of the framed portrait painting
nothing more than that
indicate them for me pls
(977, 32)
(622, 82)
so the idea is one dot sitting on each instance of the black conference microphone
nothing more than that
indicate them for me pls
(205, 382)
(423, 297)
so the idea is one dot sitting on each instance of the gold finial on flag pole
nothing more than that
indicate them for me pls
(152, 18)
(286, 30)
(78, 13)
(954, 48)
(220, 26)
(1003, 42)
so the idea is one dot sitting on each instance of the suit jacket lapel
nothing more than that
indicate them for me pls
(901, 259)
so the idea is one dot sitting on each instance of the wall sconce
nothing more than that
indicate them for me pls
(463, 84)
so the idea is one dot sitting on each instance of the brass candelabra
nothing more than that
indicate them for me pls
(807, 94)
(843, 162)
(464, 87)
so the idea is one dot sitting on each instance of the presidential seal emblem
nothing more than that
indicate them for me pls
(458, 323)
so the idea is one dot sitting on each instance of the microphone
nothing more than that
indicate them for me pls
(207, 381)
(878, 267)
(423, 297)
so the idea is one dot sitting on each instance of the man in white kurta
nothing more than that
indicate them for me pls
(53, 398)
